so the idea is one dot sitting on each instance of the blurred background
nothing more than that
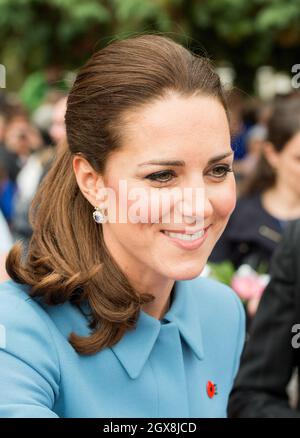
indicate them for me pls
(254, 46)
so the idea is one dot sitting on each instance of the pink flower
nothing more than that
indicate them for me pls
(248, 284)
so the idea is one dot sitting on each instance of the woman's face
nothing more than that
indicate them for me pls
(192, 134)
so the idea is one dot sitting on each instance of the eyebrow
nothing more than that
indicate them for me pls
(182, 163)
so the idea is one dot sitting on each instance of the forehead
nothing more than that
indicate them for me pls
(177, 123)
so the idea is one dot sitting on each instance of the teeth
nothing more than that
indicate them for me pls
(182, 236)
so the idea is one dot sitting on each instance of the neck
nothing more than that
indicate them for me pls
(149, 282)
(162, 293)
(158, 308)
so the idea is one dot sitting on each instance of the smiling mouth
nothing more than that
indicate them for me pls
(184, 236)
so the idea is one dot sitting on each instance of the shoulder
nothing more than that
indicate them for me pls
(219, 306)
(26, 330)
(248, 201)
(17, 306)
(247, 217)
(244, 217)
(29, 365)
(291, 234)
(222, 318)
(247, 206)
(286, 258)
(210, 292)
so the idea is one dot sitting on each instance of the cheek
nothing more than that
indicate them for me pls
(224, 201)
(150, 207)
(139, 211)
(295, 168)
(139, 205)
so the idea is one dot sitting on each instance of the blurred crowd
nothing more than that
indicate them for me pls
(27, 148)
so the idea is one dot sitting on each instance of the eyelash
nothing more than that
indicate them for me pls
(155, 176)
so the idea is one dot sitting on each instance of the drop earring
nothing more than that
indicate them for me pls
(98, 216)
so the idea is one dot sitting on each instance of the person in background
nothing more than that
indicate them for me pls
(270, 198)
(42, 117)
(14, 143)
(57, 129)
(255, 138)
(34, 171)
(7, 191)
(6, 242)
(14, 151)
(272, 354)
(240, 122)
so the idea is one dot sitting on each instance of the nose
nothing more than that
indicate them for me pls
(196, 207)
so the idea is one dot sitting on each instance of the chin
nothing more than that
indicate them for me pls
(185, 272)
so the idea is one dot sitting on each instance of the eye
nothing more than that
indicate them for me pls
(220, 171)
(163, 176)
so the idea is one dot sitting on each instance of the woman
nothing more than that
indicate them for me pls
(271, 197)
(119, 324)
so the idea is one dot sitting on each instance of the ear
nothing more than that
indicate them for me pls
(271, 155)
(89, 181)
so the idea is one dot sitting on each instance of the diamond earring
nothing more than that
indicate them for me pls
(98, 216)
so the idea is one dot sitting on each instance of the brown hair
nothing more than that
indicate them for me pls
(67, 259)
(283, 124)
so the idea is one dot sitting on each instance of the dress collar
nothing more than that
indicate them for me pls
(134, 348)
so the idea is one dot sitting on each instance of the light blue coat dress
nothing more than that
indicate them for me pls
(180, 366)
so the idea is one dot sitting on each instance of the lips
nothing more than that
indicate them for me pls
(186, 231)
(184, 236)
(186, 240)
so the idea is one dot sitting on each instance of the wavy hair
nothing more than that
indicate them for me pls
(66, 258)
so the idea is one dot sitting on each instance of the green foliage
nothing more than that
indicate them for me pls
(36, 33)
(222, 271)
